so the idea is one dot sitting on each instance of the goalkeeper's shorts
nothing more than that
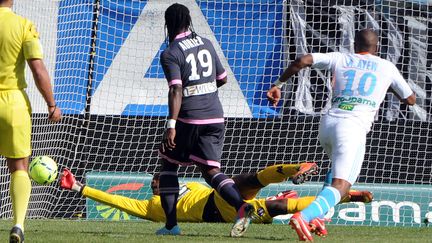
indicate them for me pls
(15, 124)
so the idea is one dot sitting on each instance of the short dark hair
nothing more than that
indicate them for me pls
(366, 40)
(177, 18)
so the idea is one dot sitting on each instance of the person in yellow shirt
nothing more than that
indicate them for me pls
(19, 42)
(200, 203)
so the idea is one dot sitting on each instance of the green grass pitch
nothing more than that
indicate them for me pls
(142, 231)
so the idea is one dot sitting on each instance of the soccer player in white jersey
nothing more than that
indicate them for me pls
(359, 85)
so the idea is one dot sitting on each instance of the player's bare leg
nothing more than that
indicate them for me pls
(342, 186)
(286, 202)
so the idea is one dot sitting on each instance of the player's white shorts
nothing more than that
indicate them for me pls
(344, 140)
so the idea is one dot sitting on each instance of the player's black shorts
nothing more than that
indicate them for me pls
(196, 144)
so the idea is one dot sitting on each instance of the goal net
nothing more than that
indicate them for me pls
(103, 57)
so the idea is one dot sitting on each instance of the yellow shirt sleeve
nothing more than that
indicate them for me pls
(31, 44)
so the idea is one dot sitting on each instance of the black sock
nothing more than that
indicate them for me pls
(169, 191)
(227, 189)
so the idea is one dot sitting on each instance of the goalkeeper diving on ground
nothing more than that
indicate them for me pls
(200, 203)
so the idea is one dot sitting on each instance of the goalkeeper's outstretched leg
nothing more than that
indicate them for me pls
(250, 184)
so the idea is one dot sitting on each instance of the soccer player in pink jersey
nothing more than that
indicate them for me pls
(195, 127)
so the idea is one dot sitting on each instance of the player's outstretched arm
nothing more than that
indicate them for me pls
(138, 208)
(410, 100)
(296, 66)
(274, 93)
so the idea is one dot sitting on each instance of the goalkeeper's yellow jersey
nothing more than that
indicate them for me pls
(19, 41)
(193, 197)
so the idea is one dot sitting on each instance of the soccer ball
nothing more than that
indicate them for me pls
(43, 170)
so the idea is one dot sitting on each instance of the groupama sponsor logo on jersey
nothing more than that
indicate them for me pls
(353, 100)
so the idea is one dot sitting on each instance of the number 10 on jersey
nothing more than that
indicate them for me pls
(362, 89)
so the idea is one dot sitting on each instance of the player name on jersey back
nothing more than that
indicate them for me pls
(190, 43)
(362, 64)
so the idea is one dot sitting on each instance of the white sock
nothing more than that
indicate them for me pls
(76, 187)
(19, 226)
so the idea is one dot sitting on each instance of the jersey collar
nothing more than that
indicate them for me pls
(181, 35)
(5, 9)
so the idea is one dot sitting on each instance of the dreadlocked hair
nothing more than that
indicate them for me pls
(177, 18)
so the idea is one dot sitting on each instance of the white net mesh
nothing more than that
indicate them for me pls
(103, 57)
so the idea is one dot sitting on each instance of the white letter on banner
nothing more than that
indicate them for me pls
(360, 210)
(428, 214)
(396, 210)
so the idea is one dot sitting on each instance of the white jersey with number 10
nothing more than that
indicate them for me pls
(360, 83)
